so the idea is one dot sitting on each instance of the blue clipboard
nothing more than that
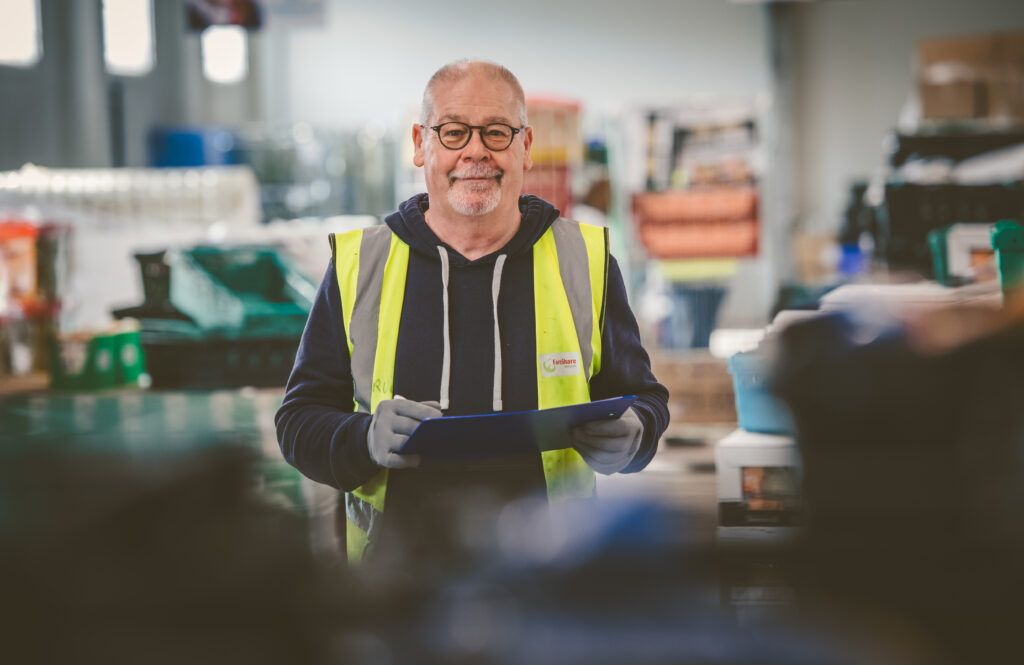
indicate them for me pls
(502, 435)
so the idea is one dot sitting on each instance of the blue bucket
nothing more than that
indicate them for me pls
(757, 407)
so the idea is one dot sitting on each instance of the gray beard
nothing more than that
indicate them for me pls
(476, 207)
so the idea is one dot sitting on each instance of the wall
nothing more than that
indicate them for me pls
(370, 60)
(855, 76)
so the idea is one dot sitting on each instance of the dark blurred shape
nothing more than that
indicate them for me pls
(914, 473)
(693, 316)
(956, 146)
(204, 13)
(159, 558)
(859, 221)
(594, 583)
(800, 297)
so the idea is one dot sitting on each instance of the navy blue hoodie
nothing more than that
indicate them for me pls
(321, 436)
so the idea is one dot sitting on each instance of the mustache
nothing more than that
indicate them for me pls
(476, 171)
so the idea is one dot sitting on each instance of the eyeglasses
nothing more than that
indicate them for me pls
(496, 136)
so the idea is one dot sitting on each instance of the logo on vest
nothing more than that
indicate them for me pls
(560, 364)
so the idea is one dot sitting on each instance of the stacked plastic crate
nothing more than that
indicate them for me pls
(698, 223)
(557, 150)
(217, 317)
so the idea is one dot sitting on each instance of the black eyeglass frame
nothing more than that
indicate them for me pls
(480, 130)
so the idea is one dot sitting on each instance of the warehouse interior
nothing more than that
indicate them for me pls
(817, 209)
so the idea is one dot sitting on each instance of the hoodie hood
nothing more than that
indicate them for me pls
(410, 225)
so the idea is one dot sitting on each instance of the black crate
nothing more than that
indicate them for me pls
(220, 362)
(914, 210)
(956, 147)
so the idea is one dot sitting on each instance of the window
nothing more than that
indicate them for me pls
(225, 53)
(20, 43)
(128, 36)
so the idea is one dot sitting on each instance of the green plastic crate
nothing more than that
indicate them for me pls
(940, 261)
(241, 290)
(91, 362)
(1008, 243)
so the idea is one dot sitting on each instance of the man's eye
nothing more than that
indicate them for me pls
(454, 133)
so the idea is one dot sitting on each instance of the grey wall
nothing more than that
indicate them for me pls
(370, 60)
(855, 75)
(59, 112)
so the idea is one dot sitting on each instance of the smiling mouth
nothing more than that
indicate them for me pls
(453, 179)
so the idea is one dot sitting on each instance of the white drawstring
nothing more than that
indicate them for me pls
(495, 289)
(446, 360)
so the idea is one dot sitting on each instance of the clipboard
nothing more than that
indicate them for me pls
(506, 434)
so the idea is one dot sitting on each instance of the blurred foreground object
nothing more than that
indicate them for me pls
(155, 558)
(911, 439)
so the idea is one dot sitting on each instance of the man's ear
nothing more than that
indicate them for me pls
(417, 144)
(527, 142)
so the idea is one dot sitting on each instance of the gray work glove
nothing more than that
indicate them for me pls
(608, 446)
(392, 423)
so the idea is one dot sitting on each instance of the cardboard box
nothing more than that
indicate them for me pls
(970, 56)
(1006, 86)
(975, 76)
(699, 387)
(952, 59)
(954, 101)
(1006, 100)
(1010, 51)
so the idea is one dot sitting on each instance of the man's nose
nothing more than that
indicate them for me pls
(475, 149)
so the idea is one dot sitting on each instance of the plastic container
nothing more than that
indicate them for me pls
(757, 407)
(91, 361)
(713, 222)
(1008, 243)
(246, 289)
(84, 361)
(221, 316)
(192, 146)
(962, 253)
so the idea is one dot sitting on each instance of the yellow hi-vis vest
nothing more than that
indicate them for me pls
(570, 269)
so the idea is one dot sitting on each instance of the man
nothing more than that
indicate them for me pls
(472, 299)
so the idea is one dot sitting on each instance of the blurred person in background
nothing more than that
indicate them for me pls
(471, 299)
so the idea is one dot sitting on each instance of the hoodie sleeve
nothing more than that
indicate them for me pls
(316, 428)
(626, 370)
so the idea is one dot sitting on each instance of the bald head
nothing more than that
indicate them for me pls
(460, 69)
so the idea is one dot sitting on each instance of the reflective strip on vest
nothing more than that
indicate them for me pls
(570, 266)
(361, 325)
(366, 260)
(566, 313)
